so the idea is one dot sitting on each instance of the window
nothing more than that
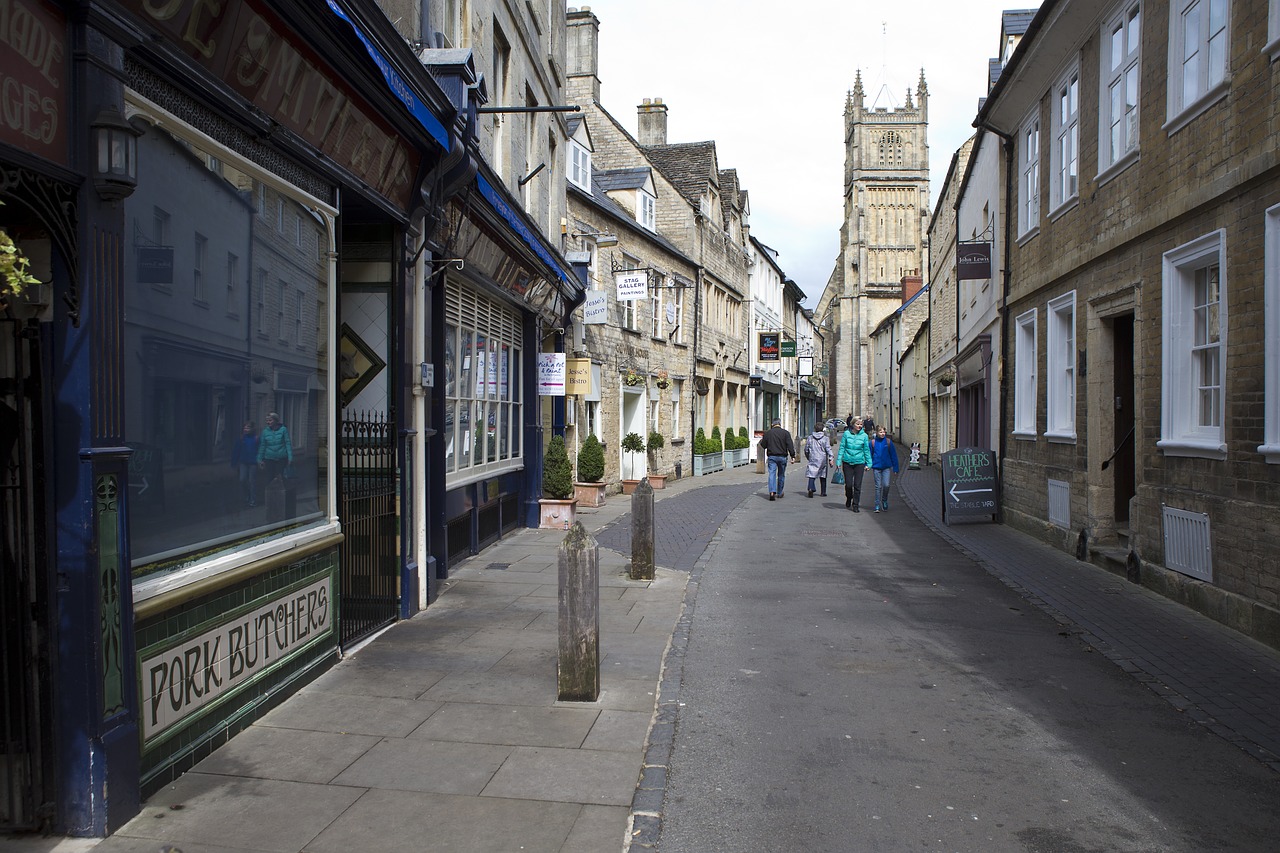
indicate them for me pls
(262, 303)
(528, 186)
(199, 255)
(1273, 31)
(675, 313)
(1198, 36)
(1029, 176)
(1060, 369)
(456, 17)
(646, 210)
(1118, 101)
(1065, 155)
(160, 225)
(1271, 431)
(1024, 376)
(579, 165)
(299, 310)
(630, 309)
(186, 400)
(655, 306)
(282, 291)
(502, 95)
(1194, 349)
(677, 394)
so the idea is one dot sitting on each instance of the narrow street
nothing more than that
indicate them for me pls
(853, 682)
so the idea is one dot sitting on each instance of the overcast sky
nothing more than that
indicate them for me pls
(767, 82)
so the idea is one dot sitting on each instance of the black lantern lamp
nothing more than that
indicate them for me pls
(115, 164)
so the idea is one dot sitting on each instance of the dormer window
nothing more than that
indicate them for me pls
(579, 165)
(646, 210)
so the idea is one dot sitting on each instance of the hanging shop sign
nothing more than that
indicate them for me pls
(788, 349)
(577, 376)
(595, 310)
(973, 261)
(33, 76)
(632, 285)
(551, 374)
(770, 348)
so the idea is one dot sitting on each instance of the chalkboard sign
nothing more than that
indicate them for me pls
(969, 485)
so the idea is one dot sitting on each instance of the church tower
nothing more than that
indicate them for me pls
(882, 239)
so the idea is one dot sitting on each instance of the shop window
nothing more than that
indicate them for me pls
(193, 379)
(483, 392)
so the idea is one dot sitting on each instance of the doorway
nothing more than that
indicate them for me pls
(1124, 458)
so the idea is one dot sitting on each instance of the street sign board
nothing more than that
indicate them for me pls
(788, 349)
(969, 484)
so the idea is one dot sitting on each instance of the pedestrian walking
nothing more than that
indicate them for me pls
(275, 450)
(778, 448)
(244, 458)
(884, 461)
(817, 450)
(854, 457)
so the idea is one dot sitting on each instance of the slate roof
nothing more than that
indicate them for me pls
(620, 179)
(598, 198)
(688, 166)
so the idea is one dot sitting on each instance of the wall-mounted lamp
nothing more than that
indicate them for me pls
(604, 241)
(115, 165)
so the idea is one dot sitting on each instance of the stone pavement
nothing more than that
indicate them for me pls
(444, 732)
(1217, 676)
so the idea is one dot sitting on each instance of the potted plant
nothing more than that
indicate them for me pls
(558, 506)
(633, 444)
(589, 488)
(632, 378)
(656, 442)
(663, 380)
(946, 379)
(707, 455)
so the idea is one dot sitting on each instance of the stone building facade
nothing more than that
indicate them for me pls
(1143, 313)
(882, 238)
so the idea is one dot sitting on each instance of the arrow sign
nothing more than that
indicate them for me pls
(955, 491)
(141, 487)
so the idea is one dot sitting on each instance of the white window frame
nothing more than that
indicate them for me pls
(1180, 432)
(679, 327)
(1025, 384)
(629, 309)
(1206, 60)
(646, 210)
(656, 289)
(1120, 75)
(1270, 448)
(677, 394)
(1064, 152)
(1060, 368)
(1029, 174)
(579, 165)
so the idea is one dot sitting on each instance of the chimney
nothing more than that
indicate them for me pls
(583, 51)
(653, 122)
(911, 285)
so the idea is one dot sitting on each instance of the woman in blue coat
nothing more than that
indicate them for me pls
(884, 457)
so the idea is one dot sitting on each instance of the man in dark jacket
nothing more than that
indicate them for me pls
(778, 448)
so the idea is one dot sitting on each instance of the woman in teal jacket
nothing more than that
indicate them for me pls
(854, 457)
(275, 450)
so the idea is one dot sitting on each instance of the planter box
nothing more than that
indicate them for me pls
(658, 481)
(555, 514)
(629, 486)
(589, 494)
(708, 463)
(737, 458)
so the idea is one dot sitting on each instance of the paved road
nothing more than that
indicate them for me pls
(853, 682)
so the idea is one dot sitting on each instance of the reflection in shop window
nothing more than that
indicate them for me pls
(194, 378)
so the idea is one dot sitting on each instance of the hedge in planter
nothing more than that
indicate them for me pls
(591, 461)
(557, 471)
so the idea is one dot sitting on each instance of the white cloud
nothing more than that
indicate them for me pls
(768, 82)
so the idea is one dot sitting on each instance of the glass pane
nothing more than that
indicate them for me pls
(1117, 46)
(466, 441)
(1135, 30)
(450, 361)
(466, 387)
(450, 435)
(504, 431)
(1116, 126)
(208, 472)
(1217, 58)
(505, 391)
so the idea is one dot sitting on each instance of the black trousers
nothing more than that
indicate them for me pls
(853, 482)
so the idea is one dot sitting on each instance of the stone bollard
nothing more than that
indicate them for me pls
(642, 532)
(578, 664)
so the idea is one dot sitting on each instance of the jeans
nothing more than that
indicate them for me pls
(882, 486)
(777, 473)
(249, 483)
(853, 482)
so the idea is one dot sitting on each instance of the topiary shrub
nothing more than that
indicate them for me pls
(700, 442)
(717, 444)
(557, 471)
(633, 444)
(743, 441)
(591, 460)
(656, 441)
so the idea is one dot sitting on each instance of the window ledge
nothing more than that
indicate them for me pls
(1124, 161)
(1272, 49)
(1064, 208)
(1192, 448)
(1060, 437)
(1271, 452)
(634, 332)
(1198, 106)
(1026, 236)
(483, 472)
(1025, 436)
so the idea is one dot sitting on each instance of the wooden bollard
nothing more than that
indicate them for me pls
(642, 532)
(578, 665)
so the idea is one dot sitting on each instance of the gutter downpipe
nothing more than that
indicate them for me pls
(1006, 273)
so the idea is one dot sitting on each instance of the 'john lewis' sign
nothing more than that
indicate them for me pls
(184, 678)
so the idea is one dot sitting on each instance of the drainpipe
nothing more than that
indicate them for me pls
(1004, 308)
